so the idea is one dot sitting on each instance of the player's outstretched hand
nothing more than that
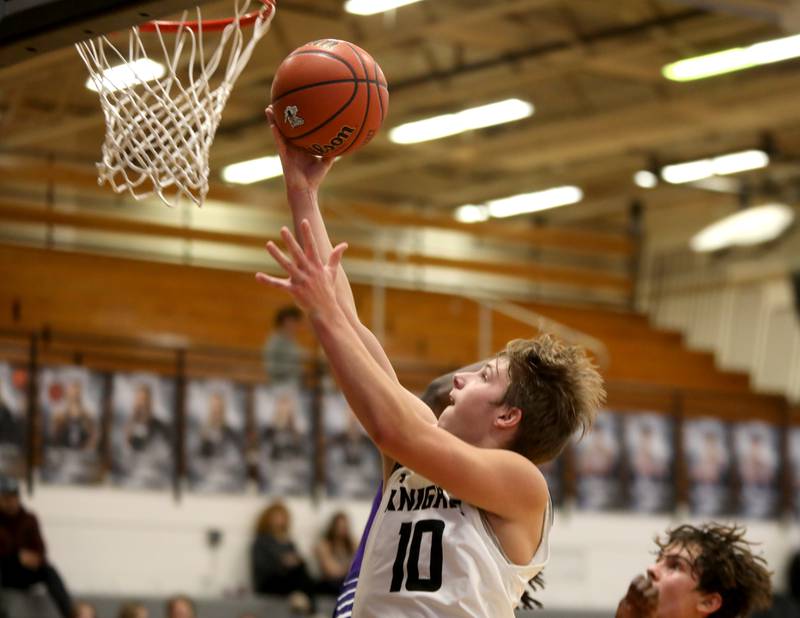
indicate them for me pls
(641, 600)
(302, 171)
(310, 281)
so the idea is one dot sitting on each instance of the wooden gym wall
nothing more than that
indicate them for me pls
(81, 293)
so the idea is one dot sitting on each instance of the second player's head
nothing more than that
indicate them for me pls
(531, 398)
(708, 570)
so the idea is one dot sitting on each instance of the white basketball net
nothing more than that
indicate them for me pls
(159, 132)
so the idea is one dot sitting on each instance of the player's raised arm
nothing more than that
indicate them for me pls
(393, 416)
(303, 174)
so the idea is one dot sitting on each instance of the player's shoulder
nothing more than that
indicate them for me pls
(530, 484)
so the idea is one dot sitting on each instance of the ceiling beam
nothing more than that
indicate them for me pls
(36, 173)
(532, 271)
(771, 11)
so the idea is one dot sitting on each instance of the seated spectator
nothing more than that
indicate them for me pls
(84, 609)
(23, 558)
(180, 606)
(133, 610)
(277, 567)
(334, 553)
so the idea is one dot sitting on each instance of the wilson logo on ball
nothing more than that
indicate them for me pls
(292, 118)
(340, 138)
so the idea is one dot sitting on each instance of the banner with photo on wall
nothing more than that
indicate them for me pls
(707, 448)
(214, 445)
(13, 420)
(352, 463)
(757, 451)
(794, 467)
(285, 455)
(598, 465)
(649, 446)
(70, 400)
(142, 431)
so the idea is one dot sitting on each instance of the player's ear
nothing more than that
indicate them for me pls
(709, 603)
(509, 417)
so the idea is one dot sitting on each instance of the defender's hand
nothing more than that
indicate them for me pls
(30, 559)
(641, 600)
(301, 170)
(310, 281)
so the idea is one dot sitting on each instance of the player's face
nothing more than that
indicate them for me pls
(678, 596)
(474, 401)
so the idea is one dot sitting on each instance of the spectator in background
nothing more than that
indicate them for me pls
(277, 567)
(700, 571)
(334, 553)
(84, 609)
(283, 357)
(23, 558)
(180, 606)
(133, 610)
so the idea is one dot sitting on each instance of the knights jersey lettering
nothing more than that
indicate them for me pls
(430, 555)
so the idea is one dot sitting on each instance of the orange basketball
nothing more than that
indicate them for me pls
(329, 97)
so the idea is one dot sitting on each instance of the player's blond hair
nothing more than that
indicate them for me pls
(558, 389)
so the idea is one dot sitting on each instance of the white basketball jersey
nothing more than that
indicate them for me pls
(429, 555)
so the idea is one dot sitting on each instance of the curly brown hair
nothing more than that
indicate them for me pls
(724, 564)
(558, 389)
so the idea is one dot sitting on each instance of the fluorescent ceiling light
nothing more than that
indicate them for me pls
(254, 170)
(458, 122)
(645, 179)
(534, 202)
(735, 59)
(719, 184)
(371, 7)
(470, 213)
(747, 227)
(716, 166)
(126, 75)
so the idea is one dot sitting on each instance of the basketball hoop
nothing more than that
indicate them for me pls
(159, 130)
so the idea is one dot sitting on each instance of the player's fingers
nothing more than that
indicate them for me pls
(309, 244)
(277, 136)
(284, 261)
(274, 282)
(279, 256)
(294, 247)
(336, 256)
